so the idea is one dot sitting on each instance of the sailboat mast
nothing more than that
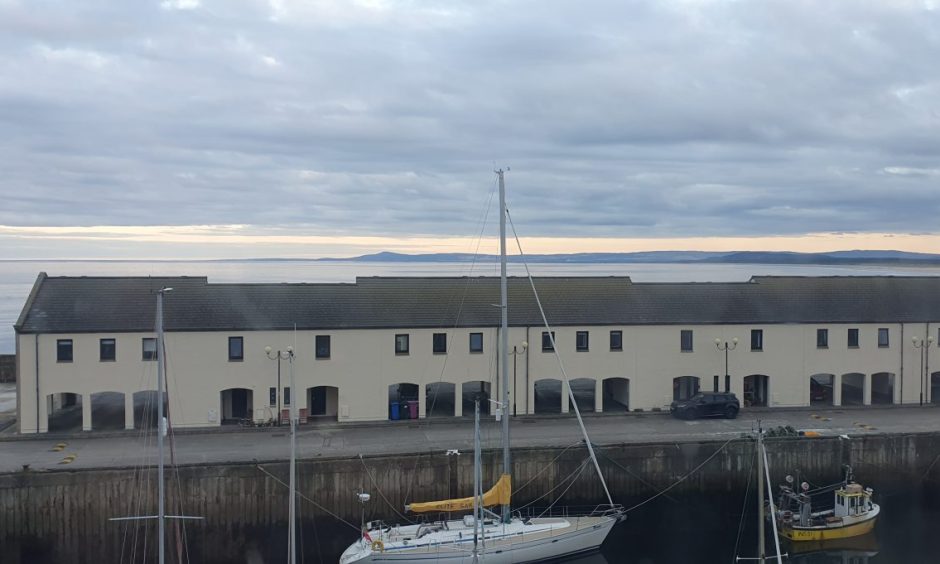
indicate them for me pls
(504, 333)
(161, 429)
(292, 511)
(761, 548)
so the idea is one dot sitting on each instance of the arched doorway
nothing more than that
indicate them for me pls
(616, 394)
(583, 390)
(470, 391)
(107, 411)
(322, 403)
(756, 390)
(145, 409)
(236, 406)
(403, 401)
(820, 389)
(684, 387)
(64, 412)
(439, 399)
(882, 388)
(547, 392)
(853, 389)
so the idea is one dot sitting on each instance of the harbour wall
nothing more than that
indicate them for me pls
(63, 516)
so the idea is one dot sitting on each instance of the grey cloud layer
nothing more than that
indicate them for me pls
(618, 118)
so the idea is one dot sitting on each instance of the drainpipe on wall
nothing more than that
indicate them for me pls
(37, 381)
(901, 367)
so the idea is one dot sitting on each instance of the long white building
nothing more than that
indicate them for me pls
(383, 347)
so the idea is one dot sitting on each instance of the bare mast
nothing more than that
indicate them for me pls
(504, 334)
(161, 429)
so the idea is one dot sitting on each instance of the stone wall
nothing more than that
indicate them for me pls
(63, 516)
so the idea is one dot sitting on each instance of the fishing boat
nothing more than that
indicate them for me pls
(485, 535)
(853, 512)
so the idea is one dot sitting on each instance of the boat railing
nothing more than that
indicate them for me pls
(570, 511)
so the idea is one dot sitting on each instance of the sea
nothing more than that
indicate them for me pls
(17, 277)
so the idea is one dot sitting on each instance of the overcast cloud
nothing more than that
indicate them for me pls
(618, 118)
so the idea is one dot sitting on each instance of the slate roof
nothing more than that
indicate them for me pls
(126, 304)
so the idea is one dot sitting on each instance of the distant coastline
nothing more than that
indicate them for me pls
(839, 258)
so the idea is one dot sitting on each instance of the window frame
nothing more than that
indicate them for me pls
(852, 331)
(402, 344)
(149, 356)
(439, 339)
(471, 348)
(587, 341)
(101, 349)
(887, 338)
(240, 355)
(757, 338)
(59, 350)
(824, 333)
(682, 338)
(619, 334)
(547, 341)
(318, 347)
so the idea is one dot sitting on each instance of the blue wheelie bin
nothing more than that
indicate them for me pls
(394, 412)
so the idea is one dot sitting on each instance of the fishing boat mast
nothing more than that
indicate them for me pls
(504, 335)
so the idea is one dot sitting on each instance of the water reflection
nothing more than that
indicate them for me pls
(857, 550)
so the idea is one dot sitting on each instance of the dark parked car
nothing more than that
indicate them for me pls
(707, 404)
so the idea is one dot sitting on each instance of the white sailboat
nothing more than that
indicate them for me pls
(162, 427)
(484, 535)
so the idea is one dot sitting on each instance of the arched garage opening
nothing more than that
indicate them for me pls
(470, 391)
(882, 388)
(64, 412)
(547, 392)
(439, 399)
(616, 394)
(684, 387)
(402, 401)
(583, 390)
(145, 409)
(236, 406)
(756, 390)
(853, 389)
(322, 403)
(107, 411)
(820, 389)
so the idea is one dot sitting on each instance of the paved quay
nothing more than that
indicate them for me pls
(430, 435)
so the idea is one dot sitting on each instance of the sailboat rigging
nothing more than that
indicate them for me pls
(162, 426)
(496, 538)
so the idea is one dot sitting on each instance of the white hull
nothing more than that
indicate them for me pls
(512, 543)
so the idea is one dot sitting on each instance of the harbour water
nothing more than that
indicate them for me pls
(17, 277)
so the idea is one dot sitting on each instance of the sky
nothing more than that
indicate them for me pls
(281, 128)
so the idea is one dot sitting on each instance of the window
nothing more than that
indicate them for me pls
(63, 350)
(883, 337)
(149, 345)
(476, 342)
(616, 340)
(757, 339)
(323, 346)
(715, 386)
(439, 343)
(107, 350)
(236, 349)
(547, 341)
(822, 338)
(686, 340)
(853, 338)
(401, 343)
(581, 341)
(272, 396)
(287, 395)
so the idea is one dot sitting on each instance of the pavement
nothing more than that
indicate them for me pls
(133, 448)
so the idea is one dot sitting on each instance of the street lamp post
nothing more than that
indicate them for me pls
(726, 346)
(279, 355)
(923, 345)
(516, 352)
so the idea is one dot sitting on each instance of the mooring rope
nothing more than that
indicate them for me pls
(378, 489)
(305, 498)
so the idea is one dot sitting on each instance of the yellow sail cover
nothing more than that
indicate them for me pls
(499, 494)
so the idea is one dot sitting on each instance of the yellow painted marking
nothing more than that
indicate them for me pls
(59, 447)
(69, 458)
